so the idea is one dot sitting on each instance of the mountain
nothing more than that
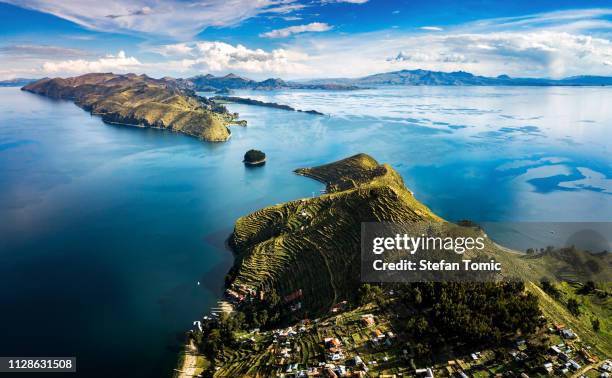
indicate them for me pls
(312, 245)
(17, 82)
(302, 305)
(138, 100)
(231, 81)
(425, 77)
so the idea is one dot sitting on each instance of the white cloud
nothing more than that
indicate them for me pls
(180, 19)
(553, 44)
(202, 57)
(431, 28)
(286, 32)
(110, 63)
(537, 53)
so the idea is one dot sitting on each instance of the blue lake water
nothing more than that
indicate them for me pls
(106, 230)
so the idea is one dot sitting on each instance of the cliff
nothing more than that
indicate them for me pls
(138, 100)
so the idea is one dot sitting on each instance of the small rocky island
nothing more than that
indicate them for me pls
(254, 158)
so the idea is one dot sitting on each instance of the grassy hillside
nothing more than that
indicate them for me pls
(300, 260)
(140, 101)
(312, 246)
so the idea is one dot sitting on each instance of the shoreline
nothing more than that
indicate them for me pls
(250, 101)
(255, 163)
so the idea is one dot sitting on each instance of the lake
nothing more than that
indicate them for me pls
(106, 230)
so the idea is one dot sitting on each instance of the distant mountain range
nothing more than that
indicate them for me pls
(17, 82)
(425, 77)
(231, 81)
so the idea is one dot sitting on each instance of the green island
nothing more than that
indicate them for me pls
(295, 305)
(141, 101)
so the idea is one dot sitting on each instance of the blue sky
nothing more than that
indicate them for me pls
(304, 39)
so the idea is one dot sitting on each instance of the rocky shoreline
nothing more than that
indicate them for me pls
(140, 101)
(250, 101)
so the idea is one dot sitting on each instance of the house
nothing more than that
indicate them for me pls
(574, 365)
(568, 333)
(426, 372)
(341, 370)
(548, 367)
(332, 342)
(368, 320)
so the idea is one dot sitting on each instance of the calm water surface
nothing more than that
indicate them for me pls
(106, 230)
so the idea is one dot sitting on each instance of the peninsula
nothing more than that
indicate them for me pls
(138, 100)
(250, 101)
(298, 305)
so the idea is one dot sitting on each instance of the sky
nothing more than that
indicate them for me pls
(301, 39)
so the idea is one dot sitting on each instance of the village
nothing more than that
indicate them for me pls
(362, 342)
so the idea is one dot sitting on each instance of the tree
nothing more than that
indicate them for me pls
(369, 293)
(573, 306)
(418, 298)
(596, 325)
(550, 288)
(588, 287)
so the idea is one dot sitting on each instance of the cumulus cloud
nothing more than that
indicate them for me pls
(110, 63)
(431, 28)
(286, 32)
(176, 18)
(217, 56)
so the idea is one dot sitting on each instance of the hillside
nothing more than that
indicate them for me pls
(300, 306)
(310, 248)
(426, 77)
(137, 100)
(311, 245)
(230, 81)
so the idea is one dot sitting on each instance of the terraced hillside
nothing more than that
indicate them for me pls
(138, 100)
(307, 252)
(312, 244)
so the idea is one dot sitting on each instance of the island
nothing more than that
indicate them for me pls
(141, 101)
(250, 101)
(254, 158)
(295, 303)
